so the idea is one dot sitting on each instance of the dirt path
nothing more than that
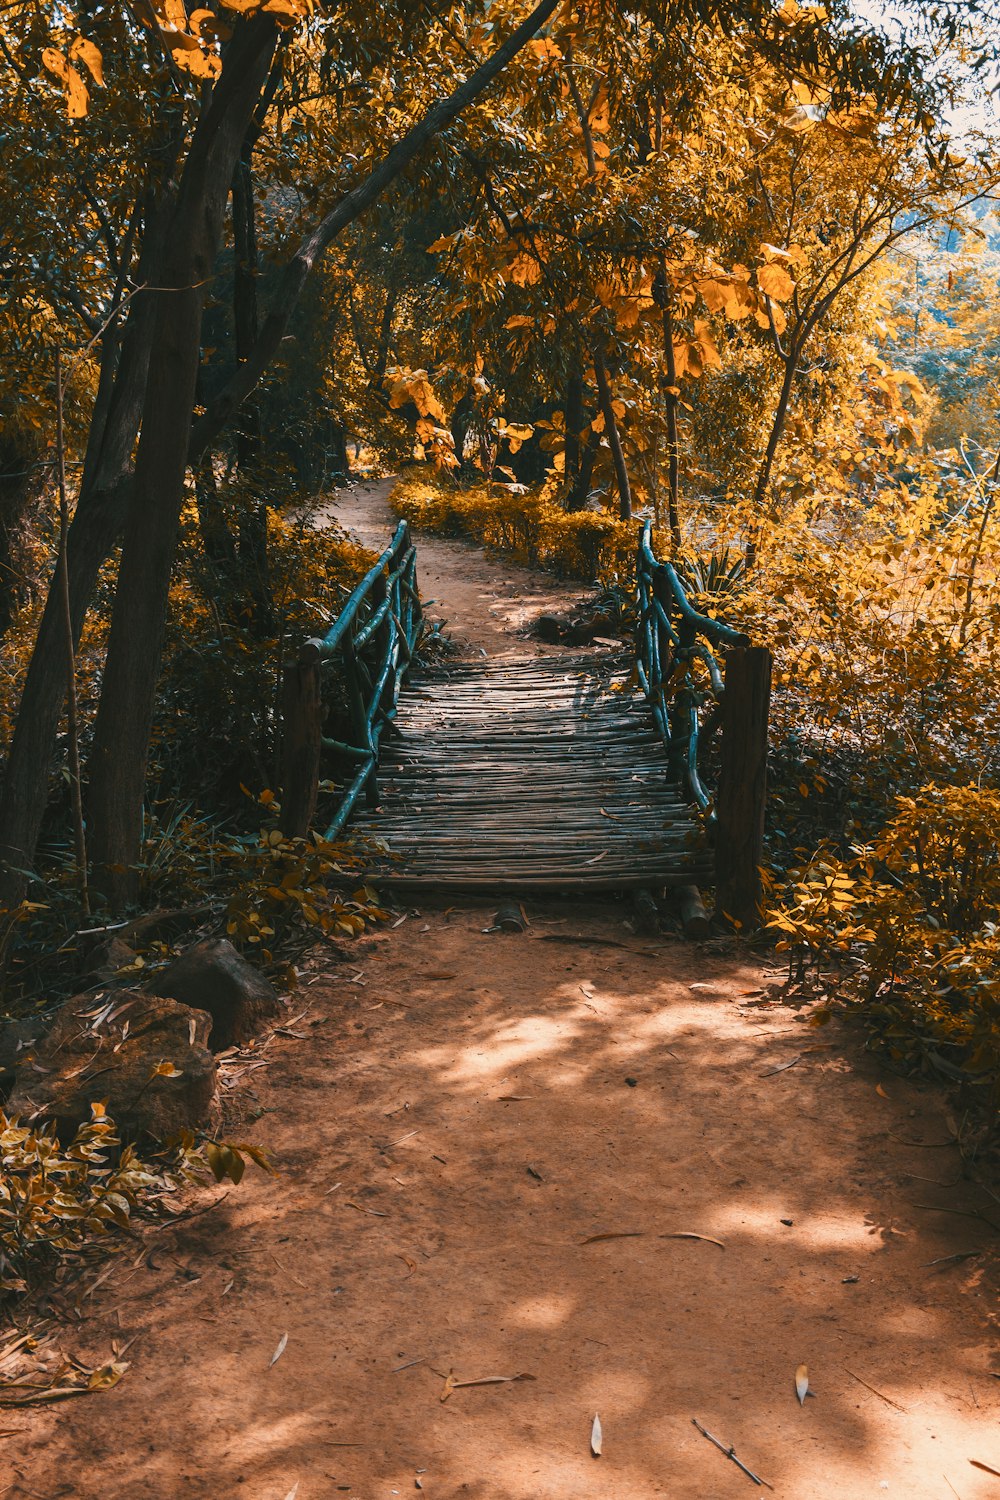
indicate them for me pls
(459, 1113)
(484, 602)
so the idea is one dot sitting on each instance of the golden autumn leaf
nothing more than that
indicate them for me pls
(774, 281)
(524, 270)
(714, 294)
(86, 52)
(77, 97)
(546, 51)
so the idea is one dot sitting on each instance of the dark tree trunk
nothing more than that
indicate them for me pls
(663, 292)
(121, 738)
(577, 497)
(97, 522)
(253, 557)
(614, 437)
(460, 422)
(574, 426)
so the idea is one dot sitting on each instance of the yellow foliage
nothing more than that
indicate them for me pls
(530, 529)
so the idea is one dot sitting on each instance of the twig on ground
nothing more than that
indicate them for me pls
(730, 1452)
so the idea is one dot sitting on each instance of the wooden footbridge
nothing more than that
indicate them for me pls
(556, 773)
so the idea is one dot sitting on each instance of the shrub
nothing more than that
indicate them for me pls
(530, 527)
(60, 1203)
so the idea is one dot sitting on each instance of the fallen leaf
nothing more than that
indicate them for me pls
(513, 1098)
(449, 1385)
(880, 1090)
(985, 1467)
(781, 1068)
(410, 1262)
(282, 1346)
(379, 1213)
(76, 1380)
(689, 1234)
(614, 1234)
(802, 1383)
(293, 1491)
(458, 1385)
(596, 1437)
(437, 975)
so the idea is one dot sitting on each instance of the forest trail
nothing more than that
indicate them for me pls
(494, 1152)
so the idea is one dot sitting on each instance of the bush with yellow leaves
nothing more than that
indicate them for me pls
(912, 924)
(530, 528)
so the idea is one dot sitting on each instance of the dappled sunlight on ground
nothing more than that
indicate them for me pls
(488, 1147)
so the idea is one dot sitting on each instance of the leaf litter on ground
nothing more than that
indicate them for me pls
(70, 1378)
(596, 1437)
(279, 1351)
(802, 1383)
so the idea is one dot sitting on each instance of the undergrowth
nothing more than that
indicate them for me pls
(529, 527)
(61, 1205)
(216, 744)
(884, 822)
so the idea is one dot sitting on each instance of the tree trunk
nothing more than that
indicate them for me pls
(761, 510)
(97, 522)
(124, 718)
(742, 794)
(253, 507)
(614, 437)
(673, 451)
(574, 427)
(580, 489)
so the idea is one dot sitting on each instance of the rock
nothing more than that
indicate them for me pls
(145, 1056)
(108, 958)
(549, 628)
(16, 1042)
(212, 976)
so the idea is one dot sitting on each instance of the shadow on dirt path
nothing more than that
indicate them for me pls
(488, 1146)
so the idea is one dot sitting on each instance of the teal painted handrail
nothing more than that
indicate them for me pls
(369, 647)
(671, 637)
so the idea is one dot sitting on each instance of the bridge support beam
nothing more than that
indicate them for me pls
(742, 791)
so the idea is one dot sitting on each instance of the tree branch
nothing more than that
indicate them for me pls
(350, 207)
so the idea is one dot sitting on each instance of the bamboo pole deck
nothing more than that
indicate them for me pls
(541, 775)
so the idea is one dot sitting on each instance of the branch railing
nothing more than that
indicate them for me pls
(701, 678)
(367, 651)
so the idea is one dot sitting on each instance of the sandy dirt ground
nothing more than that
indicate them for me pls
(512, 1155)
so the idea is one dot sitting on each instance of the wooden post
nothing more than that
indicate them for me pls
(742, 795)
(302, 716)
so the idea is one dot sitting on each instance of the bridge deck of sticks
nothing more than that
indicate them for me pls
(530, 775)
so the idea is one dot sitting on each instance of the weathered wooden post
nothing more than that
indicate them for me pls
(302, 727)
(742, 793)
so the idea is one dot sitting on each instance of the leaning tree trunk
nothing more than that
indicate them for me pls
(96, 525)
(124, 717)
